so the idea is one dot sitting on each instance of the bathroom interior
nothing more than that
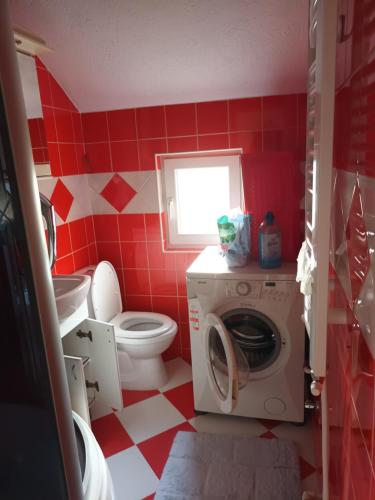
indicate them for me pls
(122, 98)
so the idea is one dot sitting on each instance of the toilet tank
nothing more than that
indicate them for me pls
(88, 271)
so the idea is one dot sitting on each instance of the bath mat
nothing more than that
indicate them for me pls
(204, 466)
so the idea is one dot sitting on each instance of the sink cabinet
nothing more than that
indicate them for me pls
(92, 366)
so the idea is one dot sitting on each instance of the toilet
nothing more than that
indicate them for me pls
(141, 337)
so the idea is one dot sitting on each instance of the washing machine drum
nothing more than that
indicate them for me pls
(256, 335)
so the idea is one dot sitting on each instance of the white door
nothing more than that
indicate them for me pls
(221, 363)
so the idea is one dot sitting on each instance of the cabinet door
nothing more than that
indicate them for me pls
(77, 386)
(97, 340)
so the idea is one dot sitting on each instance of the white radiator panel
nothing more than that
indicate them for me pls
(319, 149)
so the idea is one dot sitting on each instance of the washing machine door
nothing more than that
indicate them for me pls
(221, 363)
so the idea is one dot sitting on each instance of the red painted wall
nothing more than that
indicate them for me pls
(126, 141)
(351, 365)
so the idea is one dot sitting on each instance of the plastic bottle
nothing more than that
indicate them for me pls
(269, 242)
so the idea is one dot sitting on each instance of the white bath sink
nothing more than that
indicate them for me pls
(70, 292)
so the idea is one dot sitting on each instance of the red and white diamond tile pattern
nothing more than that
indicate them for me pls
(77, 196)
(123, 192)
(136, 440)
(118, 192)
(70, 196)
(353, 246)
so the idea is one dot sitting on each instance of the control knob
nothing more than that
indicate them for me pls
(243, 288)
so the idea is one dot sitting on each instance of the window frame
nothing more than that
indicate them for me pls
(169, 164)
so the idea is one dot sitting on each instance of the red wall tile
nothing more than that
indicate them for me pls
(89, 226)
(151, 122)
(63, 243)
(121, 125)
(212, 117)
(213, 141)
(245, 114)
(138, 303)
(111, 251)
(81, 258)
(64, 126)
(49, 123)
(106, 227)
(163, 282)
(134, 254)
(159, 259)
(124, 156)
(65, 265)
(153, 230)
(280, 112)
(178, 144)
(166, 305)
(95, 127)
(78, 234)
(59, 98)
(181, 120)
(98, 157)
(132, 227)
(147, 151)
(250, 142)
(137, 281)
(68, 159)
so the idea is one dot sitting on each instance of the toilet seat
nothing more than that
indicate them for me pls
(141, 325)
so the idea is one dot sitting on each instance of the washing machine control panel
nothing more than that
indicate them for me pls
(277, 290)
(243, 288)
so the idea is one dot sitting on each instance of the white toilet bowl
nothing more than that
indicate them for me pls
(141, 337)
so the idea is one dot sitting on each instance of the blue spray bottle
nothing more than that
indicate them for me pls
(269, 242)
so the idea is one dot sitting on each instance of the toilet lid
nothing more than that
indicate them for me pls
(105, 292)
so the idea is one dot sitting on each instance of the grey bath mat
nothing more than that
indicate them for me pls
(215, 467)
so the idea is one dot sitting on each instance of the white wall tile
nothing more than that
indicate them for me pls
(46, 185)
(146, 199)
(136, 179)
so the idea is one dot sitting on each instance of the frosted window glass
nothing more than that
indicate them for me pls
(202, 195)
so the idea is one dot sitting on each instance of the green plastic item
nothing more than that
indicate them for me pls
(227, 230)
(234, 235)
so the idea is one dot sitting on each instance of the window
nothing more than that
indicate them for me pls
(196, 191)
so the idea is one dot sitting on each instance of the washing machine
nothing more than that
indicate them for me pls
(96, 478)
(247, 339)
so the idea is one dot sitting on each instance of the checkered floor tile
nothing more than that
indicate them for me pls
(136, 440)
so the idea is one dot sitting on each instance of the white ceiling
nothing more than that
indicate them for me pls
(110, 54)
